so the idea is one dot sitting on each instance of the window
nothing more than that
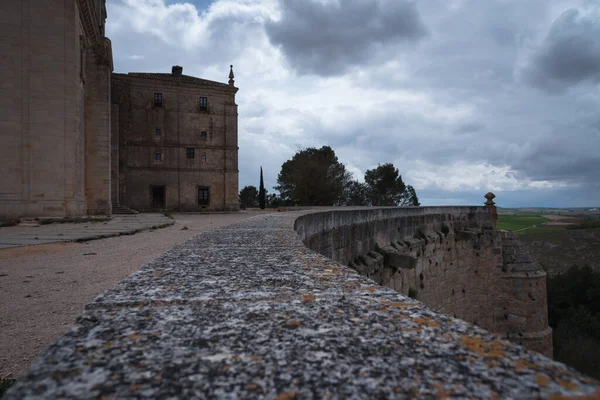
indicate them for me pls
(158, 100)
(190, 152)
(158, 132)
(203, 196)
(203, 103)
(203, 135)
(157, 157)
(203, 158)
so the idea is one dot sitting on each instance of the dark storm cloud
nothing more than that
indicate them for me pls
(461, 106)
(327, 38)
(570, 54)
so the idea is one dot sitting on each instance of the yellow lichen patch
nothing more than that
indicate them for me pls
(308, 298)
(493, 349)
(524, 364)
(593, 396)
(426, 322)
(286, 396)
(444, 395)
(567, 384)
(395, 304)
(542, 380)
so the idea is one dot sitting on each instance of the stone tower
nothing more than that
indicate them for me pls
(54, 108)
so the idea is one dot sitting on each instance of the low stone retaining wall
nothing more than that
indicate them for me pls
(450, 258)
(248, 311)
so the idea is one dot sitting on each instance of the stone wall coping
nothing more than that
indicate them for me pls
(247, 311)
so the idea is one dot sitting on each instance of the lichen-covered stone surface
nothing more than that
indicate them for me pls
(248, 312)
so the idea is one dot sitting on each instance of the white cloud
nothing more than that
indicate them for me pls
(464, 176)
(452, 113)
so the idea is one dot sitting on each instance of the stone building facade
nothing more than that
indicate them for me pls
(55, 71)
(177, 142)
(68, 150)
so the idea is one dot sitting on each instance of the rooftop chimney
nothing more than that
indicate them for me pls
(177, 70)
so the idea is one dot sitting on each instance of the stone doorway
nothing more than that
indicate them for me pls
(157, 197)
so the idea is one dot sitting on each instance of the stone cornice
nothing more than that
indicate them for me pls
(101, 45)
(89, 19)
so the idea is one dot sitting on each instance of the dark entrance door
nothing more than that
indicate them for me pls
(203, 196)
(157, 199)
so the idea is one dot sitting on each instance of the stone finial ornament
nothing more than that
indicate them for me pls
(231, 76)
(491, 206)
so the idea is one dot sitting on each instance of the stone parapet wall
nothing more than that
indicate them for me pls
(247, 311)
(451, 258)
(350, 232)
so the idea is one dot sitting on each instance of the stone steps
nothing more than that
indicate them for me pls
(29, 222)
(120, 209)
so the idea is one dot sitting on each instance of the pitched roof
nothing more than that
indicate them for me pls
(171, 78)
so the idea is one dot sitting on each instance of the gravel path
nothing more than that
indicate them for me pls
(44, 288)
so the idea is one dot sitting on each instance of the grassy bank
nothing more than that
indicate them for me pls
(516, 222)
(523, 224)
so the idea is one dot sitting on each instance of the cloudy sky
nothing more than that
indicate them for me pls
(463, 96)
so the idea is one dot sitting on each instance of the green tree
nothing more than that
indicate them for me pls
(356, 194)
(574, 313)
(385, 185)
(409, 197)
(273, 200)
(313, 177)
(249, 197)
(262, 192)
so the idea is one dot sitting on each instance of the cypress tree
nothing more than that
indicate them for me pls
(261, 192)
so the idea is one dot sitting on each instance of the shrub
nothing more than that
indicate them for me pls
(5, 384)
(574, 313)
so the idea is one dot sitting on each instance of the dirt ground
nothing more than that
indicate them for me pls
(44, 288)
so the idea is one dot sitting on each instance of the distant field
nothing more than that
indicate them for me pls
(523, 224)
(516, 222)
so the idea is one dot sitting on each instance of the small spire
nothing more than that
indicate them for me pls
(231, 76)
